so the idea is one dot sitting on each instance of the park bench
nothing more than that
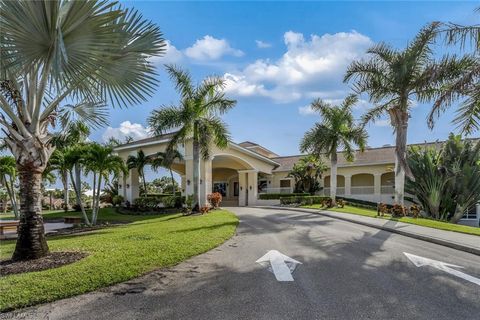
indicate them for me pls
(5, 225)
(72, 220)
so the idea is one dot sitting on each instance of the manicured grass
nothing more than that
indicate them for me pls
(116, 254)
(418, 221)
(10, 215)
(106, 214)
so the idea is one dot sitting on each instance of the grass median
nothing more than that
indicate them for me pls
(417, 221)
(116, 254)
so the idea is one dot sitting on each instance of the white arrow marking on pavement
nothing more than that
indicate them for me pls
(447, 267)
(281, 265)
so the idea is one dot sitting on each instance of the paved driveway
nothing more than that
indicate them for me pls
(349, 271)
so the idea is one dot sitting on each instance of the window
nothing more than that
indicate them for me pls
(262, 185)
(285, 183)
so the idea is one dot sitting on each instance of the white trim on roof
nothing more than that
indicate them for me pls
(142, 144)
(253, 154)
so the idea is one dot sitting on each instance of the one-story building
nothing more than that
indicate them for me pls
(244, 170)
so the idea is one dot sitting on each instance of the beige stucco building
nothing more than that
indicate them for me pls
(244, 170)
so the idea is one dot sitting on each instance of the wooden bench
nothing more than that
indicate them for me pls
(72, 220)
(5, 225)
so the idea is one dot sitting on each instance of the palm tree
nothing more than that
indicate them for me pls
(8, 174)
(89, 53)
(336, 131)
(166, 160)
(139, 162)
(101, 161)
(393, 79)
(74, 133)
(464, 84)
(197, 117)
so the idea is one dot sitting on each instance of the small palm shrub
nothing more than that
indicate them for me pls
(398, 211)
(382, 208)
(415, 210)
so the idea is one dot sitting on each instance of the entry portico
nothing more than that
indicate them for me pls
(232, 171)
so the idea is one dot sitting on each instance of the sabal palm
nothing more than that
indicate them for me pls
(8, 174)
(101, 161)
(87, 52)
(166, 160)
(197, 117)
(139, 162)
(336, 131)
(393, 79)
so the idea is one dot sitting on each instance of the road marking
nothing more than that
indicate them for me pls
(281, 265)
(443, 266)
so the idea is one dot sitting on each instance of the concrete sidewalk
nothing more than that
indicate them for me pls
(451, 239)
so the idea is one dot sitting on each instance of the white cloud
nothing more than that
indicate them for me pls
(210, 48)
(262, 44)
(306, 66)
(126, 129)
(306, 110)
(172, 55)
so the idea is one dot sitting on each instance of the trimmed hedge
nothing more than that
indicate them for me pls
(362, 203)
(302, 200)
(276, 196)
(154, 202)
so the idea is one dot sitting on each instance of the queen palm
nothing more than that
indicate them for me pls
(393, 79)
(336, 131)
(88, 53)
(139, 162)
(197, 117)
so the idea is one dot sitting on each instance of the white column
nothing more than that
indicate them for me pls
(348, 185)
(252, 179)
(206, 180)
(242, 189)
(132, 183)
(377, 184)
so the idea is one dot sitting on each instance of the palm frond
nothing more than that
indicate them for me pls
(94, 114)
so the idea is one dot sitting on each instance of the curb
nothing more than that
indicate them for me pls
(441, 242)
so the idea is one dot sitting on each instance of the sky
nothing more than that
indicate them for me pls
(277, 57)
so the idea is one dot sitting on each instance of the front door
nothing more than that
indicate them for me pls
(220, 187)
(235, 189)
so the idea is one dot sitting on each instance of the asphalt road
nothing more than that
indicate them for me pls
(349, 271)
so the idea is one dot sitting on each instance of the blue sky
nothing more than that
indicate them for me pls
(278, 56)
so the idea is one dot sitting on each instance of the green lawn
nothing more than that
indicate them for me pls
(106, 214)
(116, 254)
(418, 221)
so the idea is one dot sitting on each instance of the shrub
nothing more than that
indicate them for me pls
(276, 196)
(117, 200)
(215, 199)
(151, 203)
(302, 200)
(341, 203)
(415, 210)
(327, 202)
(204, 209)
(382, 209)
(398, 210)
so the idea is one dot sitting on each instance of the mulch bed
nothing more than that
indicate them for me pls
(52, 260)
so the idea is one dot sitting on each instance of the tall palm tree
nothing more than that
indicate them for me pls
(101, 161)
(393, 79)
(8, 174)
(89, 53)
(336, 131)
(197, 117)
(166, 160)
(139, 162)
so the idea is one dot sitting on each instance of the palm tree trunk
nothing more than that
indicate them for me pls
(142, 174)
(400, 162)
(333, 178)
(173, 182)
(31, 242)
(459, 213)
(196, 175)
(78, 178)
(14, 199)
(65, 189)
(78, 193)
(97, 206)
(94, 192)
